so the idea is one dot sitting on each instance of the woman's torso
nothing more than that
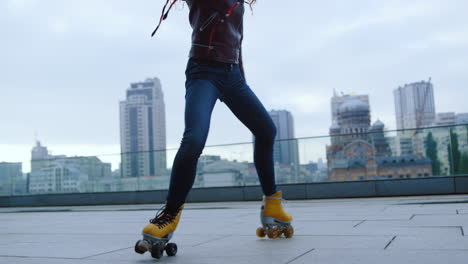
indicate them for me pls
(217, 29)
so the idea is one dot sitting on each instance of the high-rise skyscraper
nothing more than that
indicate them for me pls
(285, 150)
(143, 130)
(414, 105)
(414, 108)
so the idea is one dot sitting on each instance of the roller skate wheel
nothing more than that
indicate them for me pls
(157, 251)
(273, 233)
(261, 232)
(139, 248)
(288, 232)
(171, 249)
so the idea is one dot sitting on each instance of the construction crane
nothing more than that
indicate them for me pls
(419, 117)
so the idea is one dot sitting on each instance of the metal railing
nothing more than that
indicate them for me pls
(354, 156)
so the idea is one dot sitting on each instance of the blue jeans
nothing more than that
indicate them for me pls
(208, 81)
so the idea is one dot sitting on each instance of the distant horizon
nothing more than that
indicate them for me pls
(113, 157)
(67, 65)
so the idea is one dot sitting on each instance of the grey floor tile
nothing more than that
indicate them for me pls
(366, 256)
(61, 246)
(436, 243)
(327, 231)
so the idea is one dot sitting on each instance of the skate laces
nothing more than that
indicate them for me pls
(163, 217)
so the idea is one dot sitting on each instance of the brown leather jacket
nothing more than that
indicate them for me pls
(217, 30)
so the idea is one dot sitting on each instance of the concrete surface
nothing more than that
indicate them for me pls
(424, 229)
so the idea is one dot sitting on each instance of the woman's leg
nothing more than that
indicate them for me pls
(245, 105)
(200, 99)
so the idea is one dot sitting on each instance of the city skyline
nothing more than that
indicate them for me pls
(365, 47)
(355, 144)
(115, 150)
(449, 118)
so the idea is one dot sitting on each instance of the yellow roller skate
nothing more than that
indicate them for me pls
(275, 221)
(157, 234)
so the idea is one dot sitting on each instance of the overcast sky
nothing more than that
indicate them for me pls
(65, 65)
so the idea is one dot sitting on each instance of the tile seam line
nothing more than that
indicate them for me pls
(212, 240)
(359, 223)
(108, 252)
(300, 256)
(41, 257)
(390, 242)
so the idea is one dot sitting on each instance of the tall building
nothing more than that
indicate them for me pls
(414, 108)
(414, 105)
(285, 149)
(143, 130)
(10, 173)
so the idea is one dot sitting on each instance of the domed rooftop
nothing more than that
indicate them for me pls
(378, 124)
(354, 105)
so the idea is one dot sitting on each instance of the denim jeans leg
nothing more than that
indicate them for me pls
(245, 105)
(200, 99)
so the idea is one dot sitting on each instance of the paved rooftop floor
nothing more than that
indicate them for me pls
(424, 229)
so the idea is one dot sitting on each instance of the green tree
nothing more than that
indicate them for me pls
(431, 153)
(454, 154)
(464, 163)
